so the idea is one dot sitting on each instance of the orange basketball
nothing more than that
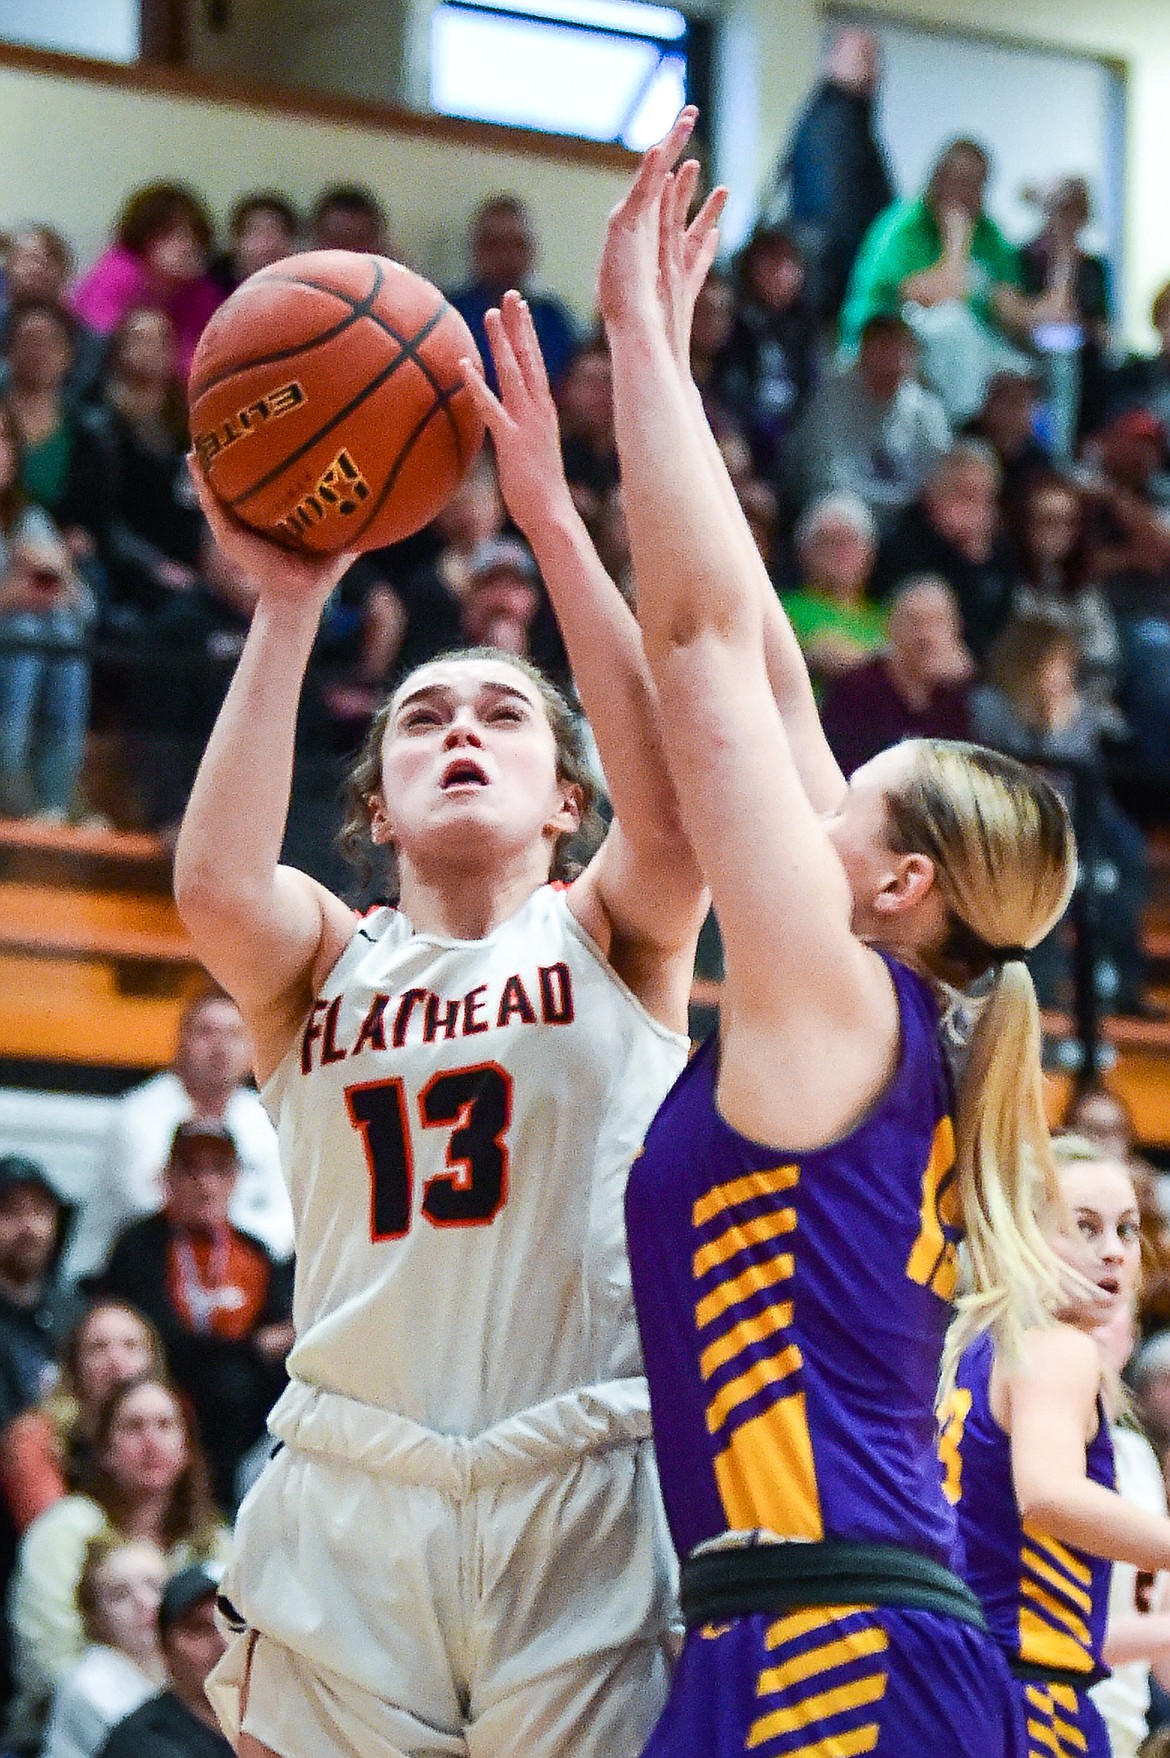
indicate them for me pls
(327, 405)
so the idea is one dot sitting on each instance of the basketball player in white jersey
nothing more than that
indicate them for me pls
(458, 1549)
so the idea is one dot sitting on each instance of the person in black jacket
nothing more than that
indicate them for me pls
(179, 1722)
(221, 1305)
(190, 650)
(834, 180)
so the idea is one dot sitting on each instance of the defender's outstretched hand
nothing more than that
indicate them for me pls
(275, 570)
(522, 420)
(685, 252)
(627, 282)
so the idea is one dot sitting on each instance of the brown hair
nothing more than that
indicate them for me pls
(190, 1514)
(365, 778)
(62, 1404)
(1018, 654)
(1005, 864)
(13, 499)
(264, 201)
(156, 209)
(1073, 571)
(174, 400)
(98, 1552)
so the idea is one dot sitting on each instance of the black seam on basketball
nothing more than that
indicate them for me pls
(439, 403)
(388, 329)
(358, 308)
(443, 397)
(375, 384)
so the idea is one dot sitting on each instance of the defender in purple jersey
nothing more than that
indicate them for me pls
(794, 1218)
(793, 1309)
(1028, 1459)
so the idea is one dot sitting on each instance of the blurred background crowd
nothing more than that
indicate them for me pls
(959, 483)
(961, 487)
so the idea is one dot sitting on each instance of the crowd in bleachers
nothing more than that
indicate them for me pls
(142, 1343)
(961, 487)
(957, 478)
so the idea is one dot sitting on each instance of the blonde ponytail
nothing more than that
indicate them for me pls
(1006, 1175)
(1005, 864)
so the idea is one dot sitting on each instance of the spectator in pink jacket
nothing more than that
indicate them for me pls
(159, 258)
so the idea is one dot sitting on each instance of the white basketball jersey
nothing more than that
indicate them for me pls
(457, 1121)
(1124, 1697)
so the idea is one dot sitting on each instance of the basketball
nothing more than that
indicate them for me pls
(327, 406)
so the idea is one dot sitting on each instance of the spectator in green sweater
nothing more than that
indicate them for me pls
(837, 627)
(944, 263)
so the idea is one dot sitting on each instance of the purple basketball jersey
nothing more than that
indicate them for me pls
(793, 1306)
(1045, 1602)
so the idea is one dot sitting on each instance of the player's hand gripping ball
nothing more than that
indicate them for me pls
(327, 406)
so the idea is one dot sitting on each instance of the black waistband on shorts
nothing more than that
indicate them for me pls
(1032, 1674)
(770, 1578)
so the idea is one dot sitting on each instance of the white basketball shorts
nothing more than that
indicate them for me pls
(407, 1594)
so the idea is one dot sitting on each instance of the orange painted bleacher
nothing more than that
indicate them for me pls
(95, 964)
(94, 961)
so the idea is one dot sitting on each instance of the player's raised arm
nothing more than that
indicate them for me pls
(266, 932)
(686, 252)
(643, 893)
(778, 886)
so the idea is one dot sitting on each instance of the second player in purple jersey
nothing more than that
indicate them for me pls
(1027, 1457)
(1045, 1601)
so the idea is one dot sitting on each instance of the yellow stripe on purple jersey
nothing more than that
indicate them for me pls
(793, 1307)
(1045, 1602)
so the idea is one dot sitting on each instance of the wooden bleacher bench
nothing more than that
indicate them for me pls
(64, 854)
(113, 925)
(95, 963)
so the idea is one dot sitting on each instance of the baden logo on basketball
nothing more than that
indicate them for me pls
(328, 399)
(341, 489)
(270, 407)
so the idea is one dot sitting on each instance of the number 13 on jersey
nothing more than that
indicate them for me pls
(475, 1105)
